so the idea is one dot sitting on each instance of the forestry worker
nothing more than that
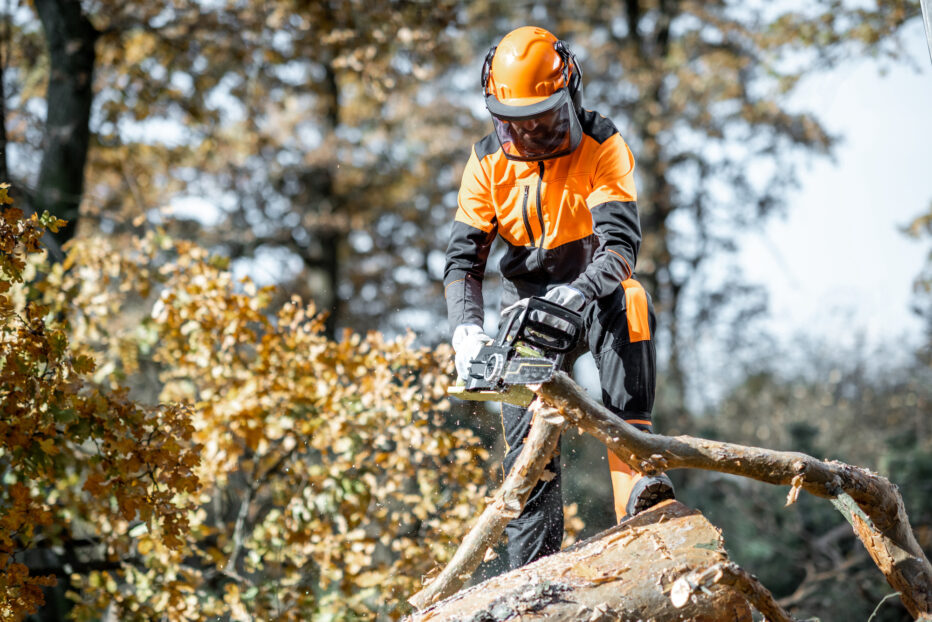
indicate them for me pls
(555, 182)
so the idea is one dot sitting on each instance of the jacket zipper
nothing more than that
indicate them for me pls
(540, 215)
(527, 219)
(540, 211)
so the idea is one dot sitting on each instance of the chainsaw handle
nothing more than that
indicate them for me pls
(539, 333)
(560, 340)
(512, 317)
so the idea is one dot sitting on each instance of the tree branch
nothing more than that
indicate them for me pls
(870, 502)
(230, 567)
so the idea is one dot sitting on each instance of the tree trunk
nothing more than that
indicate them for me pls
(70, 38)
(4, 59)
(624, 573)
(688, 586)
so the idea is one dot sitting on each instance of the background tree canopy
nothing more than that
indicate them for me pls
(317, 147)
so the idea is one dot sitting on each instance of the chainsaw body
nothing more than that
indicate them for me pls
(530, 347)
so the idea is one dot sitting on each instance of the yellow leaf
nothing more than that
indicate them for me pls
(145, 546)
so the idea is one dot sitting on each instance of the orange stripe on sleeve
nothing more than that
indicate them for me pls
(449, 284)
(636, 302)
(623, 259)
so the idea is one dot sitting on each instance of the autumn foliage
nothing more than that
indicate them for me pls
(281, 475)
(77, 460)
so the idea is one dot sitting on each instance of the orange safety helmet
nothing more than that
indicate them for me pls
(529, 65)
(533, 89)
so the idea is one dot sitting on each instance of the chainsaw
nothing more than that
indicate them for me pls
(530, 347)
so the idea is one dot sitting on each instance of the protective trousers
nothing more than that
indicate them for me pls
(617, 330)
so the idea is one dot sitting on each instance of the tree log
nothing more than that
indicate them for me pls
(541, 442)
(624, 573)
(876, 508)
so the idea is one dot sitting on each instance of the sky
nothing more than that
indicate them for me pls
(839, 264)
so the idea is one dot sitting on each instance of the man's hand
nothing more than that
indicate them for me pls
(468, 339)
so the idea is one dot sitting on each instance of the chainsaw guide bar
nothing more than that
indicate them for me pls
(516, 394)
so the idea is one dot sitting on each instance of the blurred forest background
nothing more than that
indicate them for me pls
(184, 437)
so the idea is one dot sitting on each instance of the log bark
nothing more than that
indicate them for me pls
(875, 509)
(624, 573)
(542, 440)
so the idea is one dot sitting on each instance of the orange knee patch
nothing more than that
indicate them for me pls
(636, 303)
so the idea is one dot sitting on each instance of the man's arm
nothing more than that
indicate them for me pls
(474, 229)
(613, 203)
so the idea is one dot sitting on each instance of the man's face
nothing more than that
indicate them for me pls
(550, 133)
(541, 135)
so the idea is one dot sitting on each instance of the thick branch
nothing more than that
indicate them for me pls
(694, 584)
(542, 439)
(877, 510)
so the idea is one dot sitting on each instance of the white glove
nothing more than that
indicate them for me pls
(467, 340)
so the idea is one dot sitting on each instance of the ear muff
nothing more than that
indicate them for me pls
(487, 69)
(574, 79)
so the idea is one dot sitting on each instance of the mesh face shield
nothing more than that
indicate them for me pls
(540, 131)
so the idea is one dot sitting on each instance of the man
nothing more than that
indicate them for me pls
(556, 183)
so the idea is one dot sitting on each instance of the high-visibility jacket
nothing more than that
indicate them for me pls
(569, 220)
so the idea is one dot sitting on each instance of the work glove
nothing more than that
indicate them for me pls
(468, 339)
(563, 295)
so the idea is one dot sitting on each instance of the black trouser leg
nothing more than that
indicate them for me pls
(624, 352)
(539, 529)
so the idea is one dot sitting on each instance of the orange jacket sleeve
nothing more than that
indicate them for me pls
(474, 229)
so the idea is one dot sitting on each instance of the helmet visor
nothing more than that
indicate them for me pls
(547, 129)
